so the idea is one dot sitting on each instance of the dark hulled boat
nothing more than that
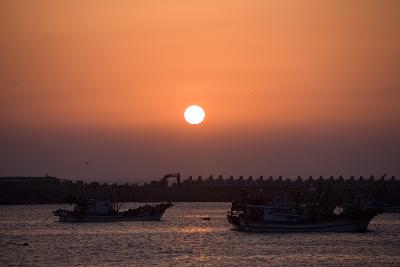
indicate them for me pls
(257, 215)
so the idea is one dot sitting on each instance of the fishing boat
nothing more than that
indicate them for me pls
(255, 215)
(106, 211)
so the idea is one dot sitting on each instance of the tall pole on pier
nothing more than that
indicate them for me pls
(270, 158)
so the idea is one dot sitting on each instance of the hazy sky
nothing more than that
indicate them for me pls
(289, 88)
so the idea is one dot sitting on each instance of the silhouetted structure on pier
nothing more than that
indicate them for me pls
(42, 190)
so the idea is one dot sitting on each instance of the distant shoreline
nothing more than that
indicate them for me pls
(52, 190)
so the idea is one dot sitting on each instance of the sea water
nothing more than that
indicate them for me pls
(183, 238)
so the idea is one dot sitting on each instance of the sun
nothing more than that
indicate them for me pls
(194, 114)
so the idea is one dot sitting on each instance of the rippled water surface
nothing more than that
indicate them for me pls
(183, 238)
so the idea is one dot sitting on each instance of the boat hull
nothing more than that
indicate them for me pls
(335, 226)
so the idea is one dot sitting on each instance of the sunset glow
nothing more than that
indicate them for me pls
(103, 81)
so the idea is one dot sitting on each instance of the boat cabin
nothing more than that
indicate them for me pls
(270, 213)
(95, 206)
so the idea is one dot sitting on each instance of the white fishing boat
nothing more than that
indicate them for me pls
(105, 211)
(254, 216)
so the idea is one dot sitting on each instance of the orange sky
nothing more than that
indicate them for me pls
(308, 78)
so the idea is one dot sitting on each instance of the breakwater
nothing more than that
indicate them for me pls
(46, 190)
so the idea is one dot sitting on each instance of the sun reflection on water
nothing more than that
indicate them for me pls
(195, 229)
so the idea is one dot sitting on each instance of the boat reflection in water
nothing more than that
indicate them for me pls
(105, 211)
(259, 215)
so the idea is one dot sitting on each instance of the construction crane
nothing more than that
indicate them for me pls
(176, 175)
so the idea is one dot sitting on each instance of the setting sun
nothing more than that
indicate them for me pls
(194, 114)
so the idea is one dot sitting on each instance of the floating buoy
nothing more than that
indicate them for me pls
(25, 244)
(206, 218)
